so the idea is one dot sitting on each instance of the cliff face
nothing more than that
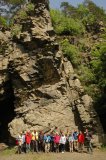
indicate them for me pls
(41, 83)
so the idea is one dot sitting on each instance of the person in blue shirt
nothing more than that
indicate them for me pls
(71, 141)
(75, 135)
(47, 141)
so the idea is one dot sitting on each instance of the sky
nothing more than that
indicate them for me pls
(56, 3)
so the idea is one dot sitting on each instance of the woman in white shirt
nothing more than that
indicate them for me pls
(62, 142)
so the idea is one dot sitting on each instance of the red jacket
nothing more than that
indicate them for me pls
(56, 139)
(28, 138)
(81, 138)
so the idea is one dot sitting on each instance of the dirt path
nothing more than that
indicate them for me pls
(97, 155)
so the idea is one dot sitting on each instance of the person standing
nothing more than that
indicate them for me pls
(41, 141)
(88, 138)
(47, 140)
(62, 142)
(28, 138)
(75, 135)
(19, 143)
(33, 141)
(52, 142)
(36, 141)
(23, 142)
(81, 140)
(56, 142)
(71, 141)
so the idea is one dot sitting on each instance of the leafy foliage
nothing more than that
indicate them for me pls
(66, 25)
(72, 52)
(30, 7)
(3, 21)
(16, 29)
(86, 75)
(22, 15)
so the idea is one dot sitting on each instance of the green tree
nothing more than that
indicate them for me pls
(66, 25)
(68, 9)
(95, 10)
(82, 11)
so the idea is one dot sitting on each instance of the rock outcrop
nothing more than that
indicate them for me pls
(47, 92)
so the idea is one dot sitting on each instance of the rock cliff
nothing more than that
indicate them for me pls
(40, 83)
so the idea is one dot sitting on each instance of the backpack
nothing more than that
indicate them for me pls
(16, 142)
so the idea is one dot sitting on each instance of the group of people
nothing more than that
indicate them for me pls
(54, 142)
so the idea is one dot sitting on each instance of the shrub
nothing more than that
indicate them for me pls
(86, 75)
(22, 14)
(16, 29)
(30, 7)
(66, 25)
(3, 21)
(72, 52)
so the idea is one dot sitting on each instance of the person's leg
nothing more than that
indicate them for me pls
(18, 149)
(90, 147)
(87, 146)
(63, 147)
(82, 147)
(36, 145)
(24, 147)
(54, 147)
(27, 147)
(70, 146)
(76, 145)
(32, 145)
(46, 147)
(40, 147)
(51, 149)
(79, 147)
(57, 147)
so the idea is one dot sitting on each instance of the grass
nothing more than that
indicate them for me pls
(8, 151)
(9, 154)
(103, 148)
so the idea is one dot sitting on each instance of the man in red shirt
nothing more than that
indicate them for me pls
(28, 138)
(81, 140)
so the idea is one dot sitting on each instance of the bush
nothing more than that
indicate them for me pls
(66, 25)
(30, 7)
(3, 21)
(22, 15)
(86, 75)
(16, 29)
(92, 90)
(72, 52)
